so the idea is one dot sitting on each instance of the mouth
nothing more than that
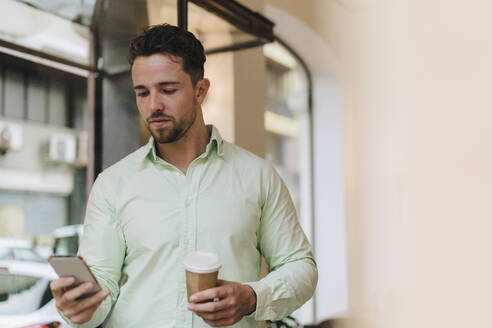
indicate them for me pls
(160, 121)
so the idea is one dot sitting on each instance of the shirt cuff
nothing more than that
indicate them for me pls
(263, 298)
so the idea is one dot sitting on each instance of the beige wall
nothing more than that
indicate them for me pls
(249, 102)
(418, 133)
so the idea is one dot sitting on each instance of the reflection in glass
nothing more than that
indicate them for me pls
(42, 178)
(45, 32)
(79, 11)
(288, 144)
(287, 121)
(213, 31)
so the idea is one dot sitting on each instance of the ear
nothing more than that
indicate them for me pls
(201, 90)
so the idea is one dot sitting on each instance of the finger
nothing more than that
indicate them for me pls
(58, 285)
(215, 316)
(86, 303)
(84, 316)
(78, 291)
(208, 306)
(210, 294)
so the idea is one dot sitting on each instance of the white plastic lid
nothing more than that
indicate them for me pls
(202, 262)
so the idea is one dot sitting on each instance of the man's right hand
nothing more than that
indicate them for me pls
(67, 302)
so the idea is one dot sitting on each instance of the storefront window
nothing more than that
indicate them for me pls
(287, 122)
(51, 27)
(65, 98)
(288, 127)
(44, 138)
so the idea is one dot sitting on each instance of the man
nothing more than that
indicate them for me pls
(186, 190)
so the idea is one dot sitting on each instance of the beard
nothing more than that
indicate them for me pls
(175, 130)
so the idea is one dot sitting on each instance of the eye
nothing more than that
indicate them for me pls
(142, 94)
(168, 91)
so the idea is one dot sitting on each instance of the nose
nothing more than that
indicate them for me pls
(155, 102)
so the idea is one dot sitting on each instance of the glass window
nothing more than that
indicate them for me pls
(287, 122)
(213, 31)
(79, 11)
(67, 245)
(21, 294)
(44, 121)
(6, 254)
(288, 127)
(49, 31)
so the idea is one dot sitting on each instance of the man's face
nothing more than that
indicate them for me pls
(165, 96)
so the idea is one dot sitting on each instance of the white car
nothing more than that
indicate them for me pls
(67, 239)
(45, 317)
(25, 296)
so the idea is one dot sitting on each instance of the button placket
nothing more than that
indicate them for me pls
(184, 241)
(195, 178)
(189, 230)
(186, 209)
(188, 244)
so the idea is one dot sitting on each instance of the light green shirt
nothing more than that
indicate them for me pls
(144, 216)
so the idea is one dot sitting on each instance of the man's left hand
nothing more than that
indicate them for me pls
(235, 300)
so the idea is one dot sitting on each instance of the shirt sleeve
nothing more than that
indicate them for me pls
(293, 274)
(102, 247)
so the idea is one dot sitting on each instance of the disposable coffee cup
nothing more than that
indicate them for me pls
(202, 269)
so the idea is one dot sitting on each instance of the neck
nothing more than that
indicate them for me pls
(183, 151)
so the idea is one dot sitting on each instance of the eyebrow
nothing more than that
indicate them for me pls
(162, 84)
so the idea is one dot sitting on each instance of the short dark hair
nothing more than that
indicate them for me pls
(171, 40)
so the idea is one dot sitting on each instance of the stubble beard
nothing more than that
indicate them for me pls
(176, 130)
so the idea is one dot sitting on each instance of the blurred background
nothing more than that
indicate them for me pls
(376, 113)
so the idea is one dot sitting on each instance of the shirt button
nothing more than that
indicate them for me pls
(187, 203)
(186, 241)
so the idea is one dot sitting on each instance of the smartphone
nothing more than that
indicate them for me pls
(76, 267)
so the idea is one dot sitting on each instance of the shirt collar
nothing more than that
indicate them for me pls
(216, 142)
(215, 139)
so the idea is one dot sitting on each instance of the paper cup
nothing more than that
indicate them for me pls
(202, 269)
